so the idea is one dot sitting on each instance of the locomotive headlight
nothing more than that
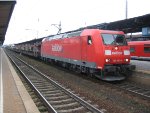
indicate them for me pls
(126, 52)
(126, 60)
(107, 52)
(107, 60)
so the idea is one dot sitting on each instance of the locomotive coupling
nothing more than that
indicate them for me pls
(110, 68)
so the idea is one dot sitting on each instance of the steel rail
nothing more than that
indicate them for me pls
(145, 93)
(49, 106)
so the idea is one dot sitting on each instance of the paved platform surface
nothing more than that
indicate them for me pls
(13, 96)
(142, 72)
(142, 66)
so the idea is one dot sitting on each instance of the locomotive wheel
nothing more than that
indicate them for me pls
(78, 69)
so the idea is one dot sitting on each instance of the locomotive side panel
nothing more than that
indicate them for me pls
(94, 48)
(88, 52)
(67, 49)
(72, 48)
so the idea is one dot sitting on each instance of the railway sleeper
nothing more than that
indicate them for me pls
(45, 87)
(53, 94)
(53, 91)
(71, 110)
(67, 105)
(68, 100)
(56, 98)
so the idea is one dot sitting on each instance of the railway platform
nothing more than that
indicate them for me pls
(142, 66)
(13, 96)
(142, 72)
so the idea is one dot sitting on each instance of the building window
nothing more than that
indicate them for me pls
(147, 49)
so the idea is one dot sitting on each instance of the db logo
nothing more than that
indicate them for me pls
(57, 48)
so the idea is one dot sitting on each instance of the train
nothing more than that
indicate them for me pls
(101, 53)
(140, 50)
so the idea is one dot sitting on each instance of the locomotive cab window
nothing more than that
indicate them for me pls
(120, 40)
(114, 39)
(108, 39)
(89, 40)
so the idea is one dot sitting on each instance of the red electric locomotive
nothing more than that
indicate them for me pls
(102, 53)
(140, 50)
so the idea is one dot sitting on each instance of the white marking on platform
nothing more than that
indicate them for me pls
(1, 81)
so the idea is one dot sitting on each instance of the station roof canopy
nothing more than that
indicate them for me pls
(6, 9)
(130, 25)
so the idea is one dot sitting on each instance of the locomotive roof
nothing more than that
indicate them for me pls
(65, 35)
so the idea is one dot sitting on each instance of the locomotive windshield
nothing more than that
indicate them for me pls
(114, 39)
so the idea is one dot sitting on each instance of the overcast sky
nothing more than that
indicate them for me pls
(33, 18)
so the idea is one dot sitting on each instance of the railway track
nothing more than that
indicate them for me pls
(56, 98)
(143, 92)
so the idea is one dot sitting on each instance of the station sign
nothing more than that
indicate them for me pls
(146, 31)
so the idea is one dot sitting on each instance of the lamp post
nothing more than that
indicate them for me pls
(126, 9)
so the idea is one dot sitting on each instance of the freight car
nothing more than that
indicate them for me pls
(140, 50)
(102, 53)
(31, 48)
